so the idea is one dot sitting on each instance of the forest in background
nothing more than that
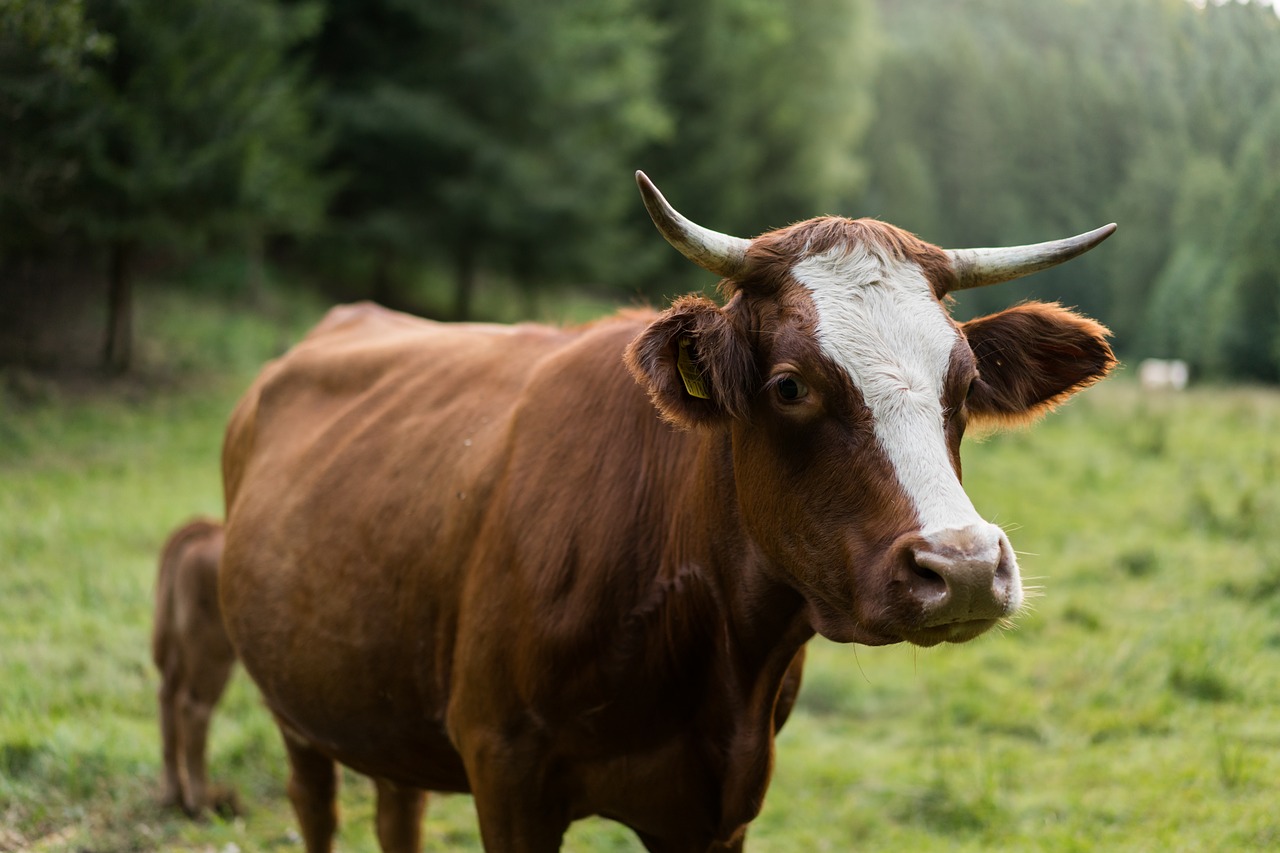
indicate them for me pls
(384, 148)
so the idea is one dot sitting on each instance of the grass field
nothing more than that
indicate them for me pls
(1137, 707)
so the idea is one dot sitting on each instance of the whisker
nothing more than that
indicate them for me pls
(1006, 624)
(858, 661)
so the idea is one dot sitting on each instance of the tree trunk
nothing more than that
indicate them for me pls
(527, 284)
(255, 264)
(464, 281)
(383, 291)
(117, 353)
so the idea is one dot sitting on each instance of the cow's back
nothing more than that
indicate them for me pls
(357, 470)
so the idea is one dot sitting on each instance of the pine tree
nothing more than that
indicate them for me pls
(771, 102)
(188, 126)
(499, 134)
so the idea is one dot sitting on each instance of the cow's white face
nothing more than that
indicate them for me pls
(879, 320)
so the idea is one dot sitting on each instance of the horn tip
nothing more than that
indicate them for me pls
(648, 191)
(654, 202)
(1097, 235)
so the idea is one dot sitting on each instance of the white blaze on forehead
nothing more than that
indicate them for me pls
(879, 320)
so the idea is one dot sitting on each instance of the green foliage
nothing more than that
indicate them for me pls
(44, 48)
(153, 122)
(196, 125)
(137, 124)
(1000, 123)
(489, 146)
(54, 32)
(502, 131)
(771, 102)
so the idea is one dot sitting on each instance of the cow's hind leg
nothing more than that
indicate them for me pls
(399, 817)
(196, 705)
(313, 790)
(169, 740)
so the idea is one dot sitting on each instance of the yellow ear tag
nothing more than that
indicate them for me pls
(693, 382)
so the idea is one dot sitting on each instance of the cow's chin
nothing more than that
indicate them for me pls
(841, 627)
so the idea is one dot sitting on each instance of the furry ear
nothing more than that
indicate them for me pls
(1031, 358)
(694, 363)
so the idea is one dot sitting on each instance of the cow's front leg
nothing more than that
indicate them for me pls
(735, 846)
(313, 791)
(521, 806)
(197, 701)
(400, 811)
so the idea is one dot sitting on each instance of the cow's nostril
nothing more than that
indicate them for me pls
(1004, 573)
(1007, 583)
(926, 574)
(927, 584)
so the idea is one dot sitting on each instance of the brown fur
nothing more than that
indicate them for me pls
(480, 558)
(772, 255)
(190, 648)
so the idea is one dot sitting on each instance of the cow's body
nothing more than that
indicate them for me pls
(190, 648)
(470, 557)
(626, 654)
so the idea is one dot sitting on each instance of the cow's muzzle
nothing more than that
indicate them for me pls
(963, 580)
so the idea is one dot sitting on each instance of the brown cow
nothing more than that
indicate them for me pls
(190, 648)
(573, 571)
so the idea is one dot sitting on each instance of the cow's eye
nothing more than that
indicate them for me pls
(791, 389)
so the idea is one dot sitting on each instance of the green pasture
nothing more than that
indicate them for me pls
(1136, 706)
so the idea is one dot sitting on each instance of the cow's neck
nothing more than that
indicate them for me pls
(710, 596)
(710, 630)
(765, 618)
(764, 627)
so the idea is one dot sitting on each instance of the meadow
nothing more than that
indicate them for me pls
(1136, 706)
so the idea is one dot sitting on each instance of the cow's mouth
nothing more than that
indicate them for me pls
(952, 632)
(843, 626)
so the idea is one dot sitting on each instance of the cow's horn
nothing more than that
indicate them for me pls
(980, 267)
(715, 252)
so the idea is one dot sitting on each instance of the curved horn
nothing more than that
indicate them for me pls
(980, 267)
(718, 253)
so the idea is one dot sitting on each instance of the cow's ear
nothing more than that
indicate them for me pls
(695, 364)
(1031, 358)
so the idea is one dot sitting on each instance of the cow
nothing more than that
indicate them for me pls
(1158, 374)
(573, 571)
(190, 648)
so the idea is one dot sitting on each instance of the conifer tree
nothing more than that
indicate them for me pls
(189, 124)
